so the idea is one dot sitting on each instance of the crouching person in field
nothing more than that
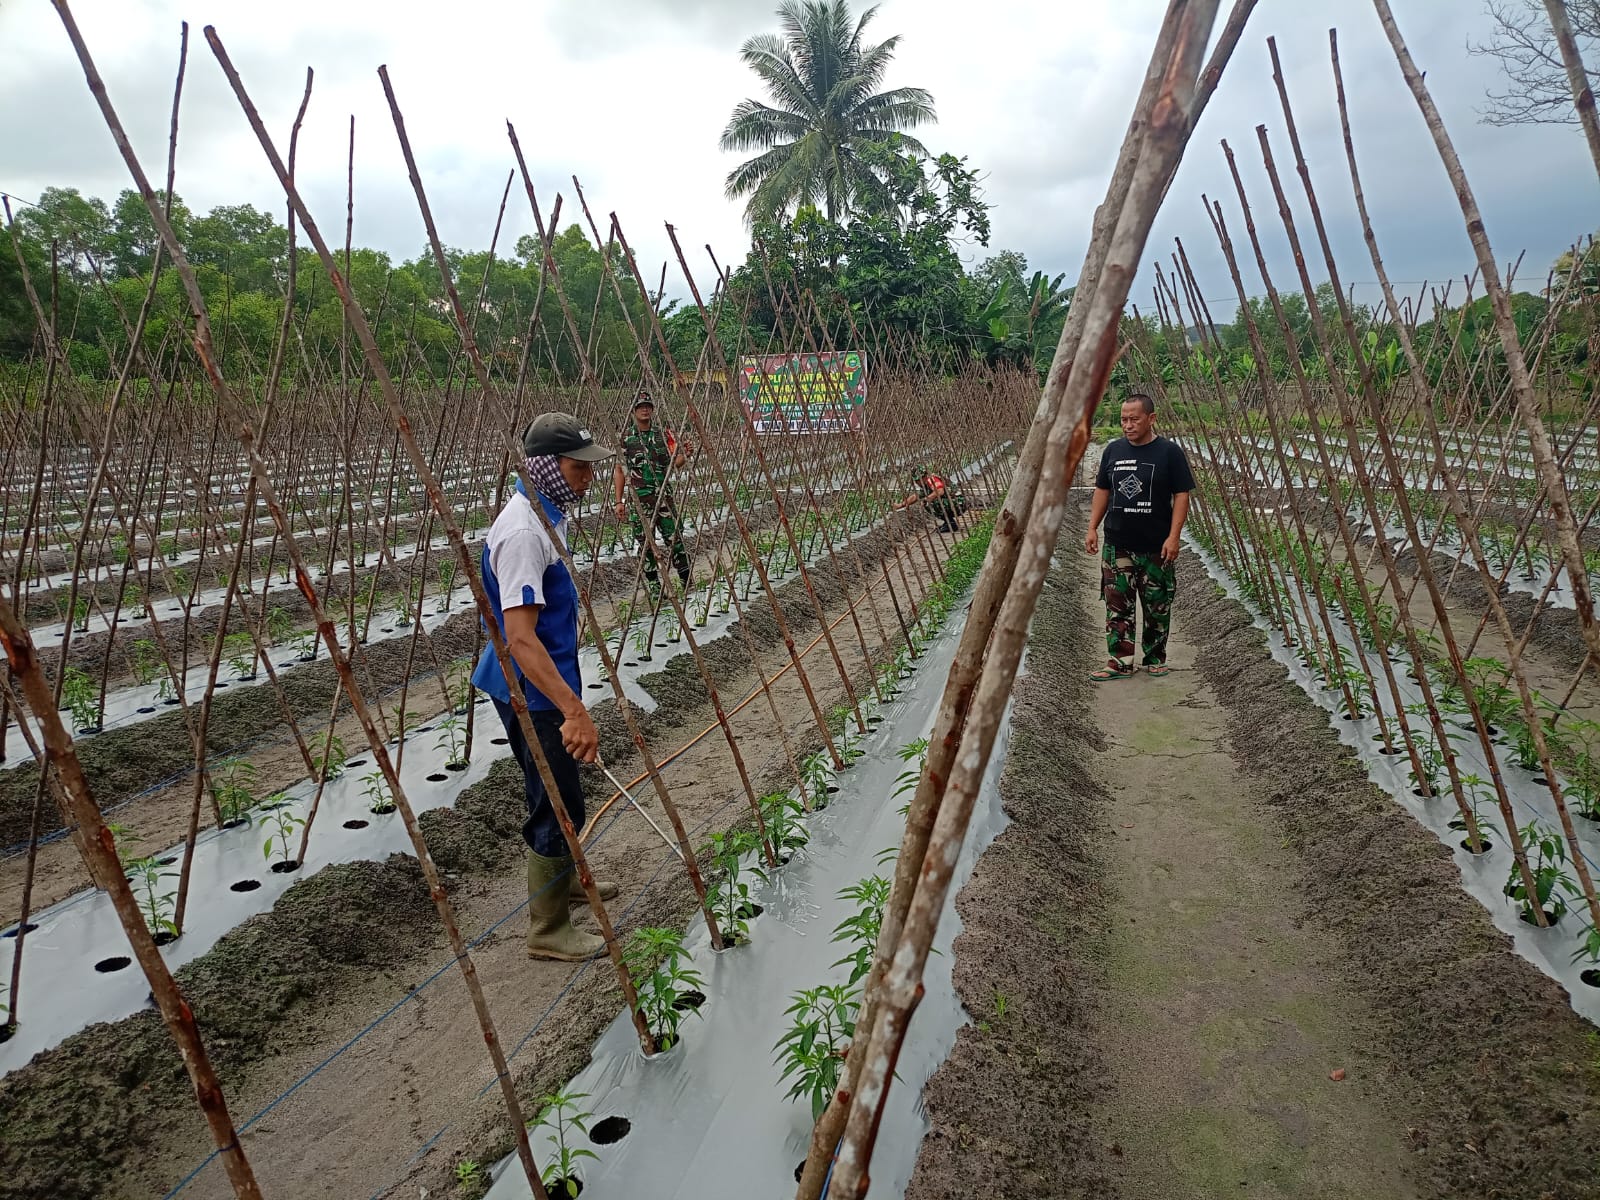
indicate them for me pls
(535, 601)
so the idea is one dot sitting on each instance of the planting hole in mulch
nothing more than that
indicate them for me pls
(596, 685)
(749, 912)
(285, 867)
(7, 1032)
(165, 938)
(455, 766)
(148, 708)
(499, 741)
(355, 823)
(565, 1185)
(689, 1001)
(356, 762)
(438, 777)
(16, 929)
(245, 885)
(630, 664)
(833, 788)
(731, 941)
(1350, 716)
(800, 1170)
(115, 963)
(1484, 844)
(1550, 918)
(610, 1129)
(169, 702)
(167, 861)
(221, 683)
(382, 810)
(235, 823)
(1540, 780)
(87, 730)
(1591, 977)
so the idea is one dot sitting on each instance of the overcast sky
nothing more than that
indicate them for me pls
(631, 95)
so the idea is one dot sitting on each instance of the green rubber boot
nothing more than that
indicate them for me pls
(550, 931)
(608, 890)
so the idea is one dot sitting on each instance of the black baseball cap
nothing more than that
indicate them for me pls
(643, 398)
(560, 433)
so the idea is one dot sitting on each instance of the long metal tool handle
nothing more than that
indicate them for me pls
(621, 787)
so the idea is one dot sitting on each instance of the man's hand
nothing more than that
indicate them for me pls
(622, 510)
(1170, 548)
(1091, 541)
(579, 735)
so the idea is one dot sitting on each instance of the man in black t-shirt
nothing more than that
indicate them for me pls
(1142, 493)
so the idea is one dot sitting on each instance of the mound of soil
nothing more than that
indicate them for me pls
(1009, 1108)
(1496, 1071)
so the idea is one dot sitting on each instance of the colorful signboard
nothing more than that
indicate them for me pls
(804, 393)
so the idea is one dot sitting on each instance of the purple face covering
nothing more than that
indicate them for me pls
(545, 471)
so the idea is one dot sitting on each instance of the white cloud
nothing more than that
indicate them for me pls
(631, 96)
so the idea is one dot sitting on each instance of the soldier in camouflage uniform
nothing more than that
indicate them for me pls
(648, 453)
(1142, 493)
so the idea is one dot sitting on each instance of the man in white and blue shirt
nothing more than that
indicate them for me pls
(535, 602)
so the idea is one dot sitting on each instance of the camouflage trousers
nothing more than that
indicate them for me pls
(1124, 578)
(669, 530)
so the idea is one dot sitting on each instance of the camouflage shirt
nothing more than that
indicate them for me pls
(648, 455)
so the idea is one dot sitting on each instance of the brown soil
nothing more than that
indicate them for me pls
(1168, 1032)
(109, 1113)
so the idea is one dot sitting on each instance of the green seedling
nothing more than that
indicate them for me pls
(811, 1052)
(336, 759)
(145, 876)
(1547, 856)
(1359, 682)
(232, 784)
(241, 652)
(816, 773)
(559, 1113)
(1588, 950)
(281, 823)
(452, 740)
(1496, 699)
(661, 975)
(81, 698)
(729, 896)
(403, 720)
(469, 1175)
(458, 691)
(861, 927)
(376, 789)
(305, 646)
(447, 578)
(1524, 745)
(784, 816)
(280, 625)
(1583, 777)
(913, 752)
(145, 661)
(80, 614)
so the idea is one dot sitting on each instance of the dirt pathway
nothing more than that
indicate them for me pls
(1226, 1023)
(1202, 910)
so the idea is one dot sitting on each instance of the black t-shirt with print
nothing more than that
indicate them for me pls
(1142, 481)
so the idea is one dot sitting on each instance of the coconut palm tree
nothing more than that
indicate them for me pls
(825, 111)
